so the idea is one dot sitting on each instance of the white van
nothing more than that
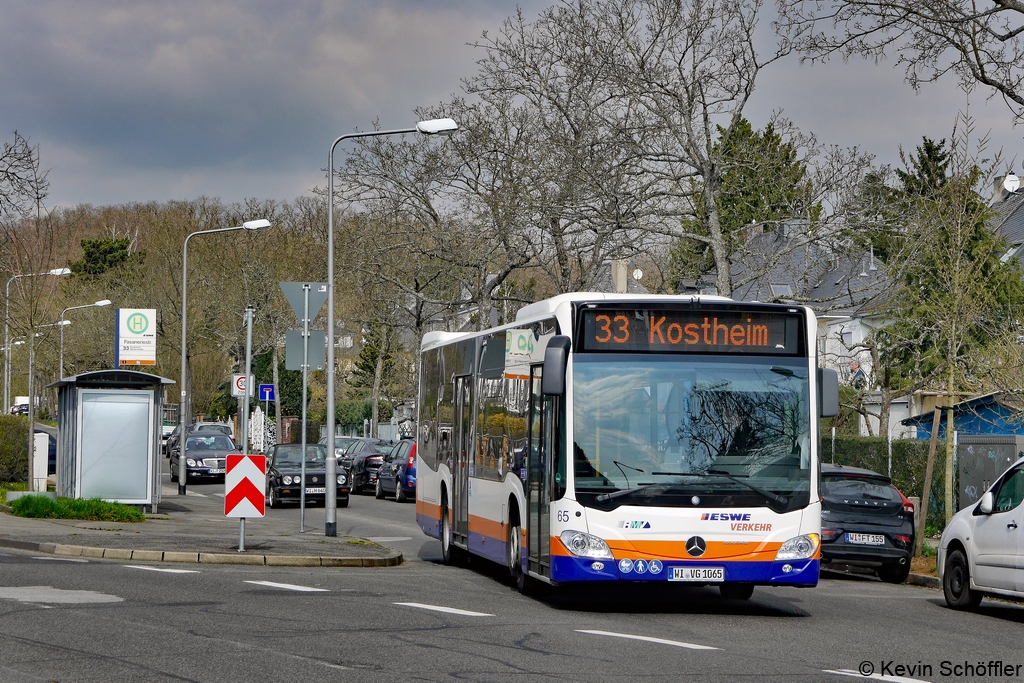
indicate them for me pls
(982, 548)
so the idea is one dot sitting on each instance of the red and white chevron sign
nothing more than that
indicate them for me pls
(244, 485)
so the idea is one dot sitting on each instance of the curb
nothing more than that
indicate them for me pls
(196, 557)
(924, 581)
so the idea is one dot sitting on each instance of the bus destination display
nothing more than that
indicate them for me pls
(685, 331)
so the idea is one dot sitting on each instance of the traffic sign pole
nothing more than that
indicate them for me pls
(245, 409)
(305, 375)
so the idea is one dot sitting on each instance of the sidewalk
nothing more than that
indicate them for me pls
(194, 530)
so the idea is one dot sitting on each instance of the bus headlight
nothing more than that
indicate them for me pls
(799, 548)
(582, 544)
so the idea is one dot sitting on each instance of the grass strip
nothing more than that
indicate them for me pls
(92, 509)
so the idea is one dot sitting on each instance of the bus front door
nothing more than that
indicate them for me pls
(463, 443)
(538, 489)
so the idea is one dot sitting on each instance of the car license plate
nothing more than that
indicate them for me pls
(373, 476)
(321, 489)
(697, 574)
(216, 471)
(866, 539)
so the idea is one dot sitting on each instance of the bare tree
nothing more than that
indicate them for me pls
(929, 38)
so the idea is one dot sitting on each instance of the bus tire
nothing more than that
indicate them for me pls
(447, 551)
(736, 591)
(514, 551)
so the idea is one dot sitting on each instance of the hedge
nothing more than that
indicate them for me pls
(909, 461)
(13, 448)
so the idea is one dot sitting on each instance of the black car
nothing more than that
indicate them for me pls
(284, 476)
(397, 474)
(341, 444)
(205, 456)
(365, 456)
(865, 522)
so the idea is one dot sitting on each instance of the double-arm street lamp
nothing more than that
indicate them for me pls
(183, 418)
(7, 326)
(431, 127)
(63, 314)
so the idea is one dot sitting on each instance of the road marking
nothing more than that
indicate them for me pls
(449, 610)
(172, 491)
(660, 641)
(49, 594)
(290, 587)
(161, 569)
(875, 677)
(61, 559)
(388, 539)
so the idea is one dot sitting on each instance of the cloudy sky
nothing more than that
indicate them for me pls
(136, 101)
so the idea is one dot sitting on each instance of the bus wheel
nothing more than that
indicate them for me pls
(446, 533)
(515, 553)
(736, 591)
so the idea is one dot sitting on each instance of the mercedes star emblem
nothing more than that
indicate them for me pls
(695, 546)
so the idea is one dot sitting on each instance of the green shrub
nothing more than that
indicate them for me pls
(13, 448)
(909, 461)
(73, 508)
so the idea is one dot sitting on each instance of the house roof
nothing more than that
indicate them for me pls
(1004, 398)
(1008, 221)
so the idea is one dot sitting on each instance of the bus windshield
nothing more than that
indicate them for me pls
(693, 431)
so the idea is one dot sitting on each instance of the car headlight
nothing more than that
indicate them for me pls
(799, 548)
(190, 462)
(287, 479)
(583, 544)
(342, 479)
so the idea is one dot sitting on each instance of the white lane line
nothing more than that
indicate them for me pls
(874, 677)
(660, 641)
(449, 610)
(61, 559)
(289, 587)
(161, 569)
(388, 539)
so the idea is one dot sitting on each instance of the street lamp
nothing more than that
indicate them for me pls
(185, 397)
(7, 336)
(100, 303)
(430, 127)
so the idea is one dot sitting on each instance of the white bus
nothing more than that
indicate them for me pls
(613, 437)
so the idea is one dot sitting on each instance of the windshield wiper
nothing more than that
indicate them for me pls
(625, 492)
(620, 465)
(756, 489)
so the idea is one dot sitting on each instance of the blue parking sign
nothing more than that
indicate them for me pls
(266, 392)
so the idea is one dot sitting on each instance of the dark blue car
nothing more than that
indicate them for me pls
(397, 474)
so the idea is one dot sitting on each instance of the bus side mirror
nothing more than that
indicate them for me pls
(556, 357)
(828, 392)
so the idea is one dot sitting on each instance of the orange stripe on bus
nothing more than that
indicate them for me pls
(428, 509)
(676, 550)
(487, 527)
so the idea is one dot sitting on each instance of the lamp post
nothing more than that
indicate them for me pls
(100, 303)
(185, 396)
(431, 127)
(7, 324)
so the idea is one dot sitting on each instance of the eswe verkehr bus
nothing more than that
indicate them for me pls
(611, 437)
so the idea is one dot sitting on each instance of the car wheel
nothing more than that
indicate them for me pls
(894, 573)
(736, 591)
(400, 496)
(956, 582)
(273, 502)
(174, 477)
(378, 490)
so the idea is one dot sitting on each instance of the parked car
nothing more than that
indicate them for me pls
(51, 451)
(865, 522)
(980, 552)
(222, 427)
(397, 474)
(341, 444)
(205, 455)
(284, 476)
(365, 456)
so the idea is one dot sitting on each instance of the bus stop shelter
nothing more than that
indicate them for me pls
(108, 436)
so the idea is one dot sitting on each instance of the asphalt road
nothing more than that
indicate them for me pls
(93, 620)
